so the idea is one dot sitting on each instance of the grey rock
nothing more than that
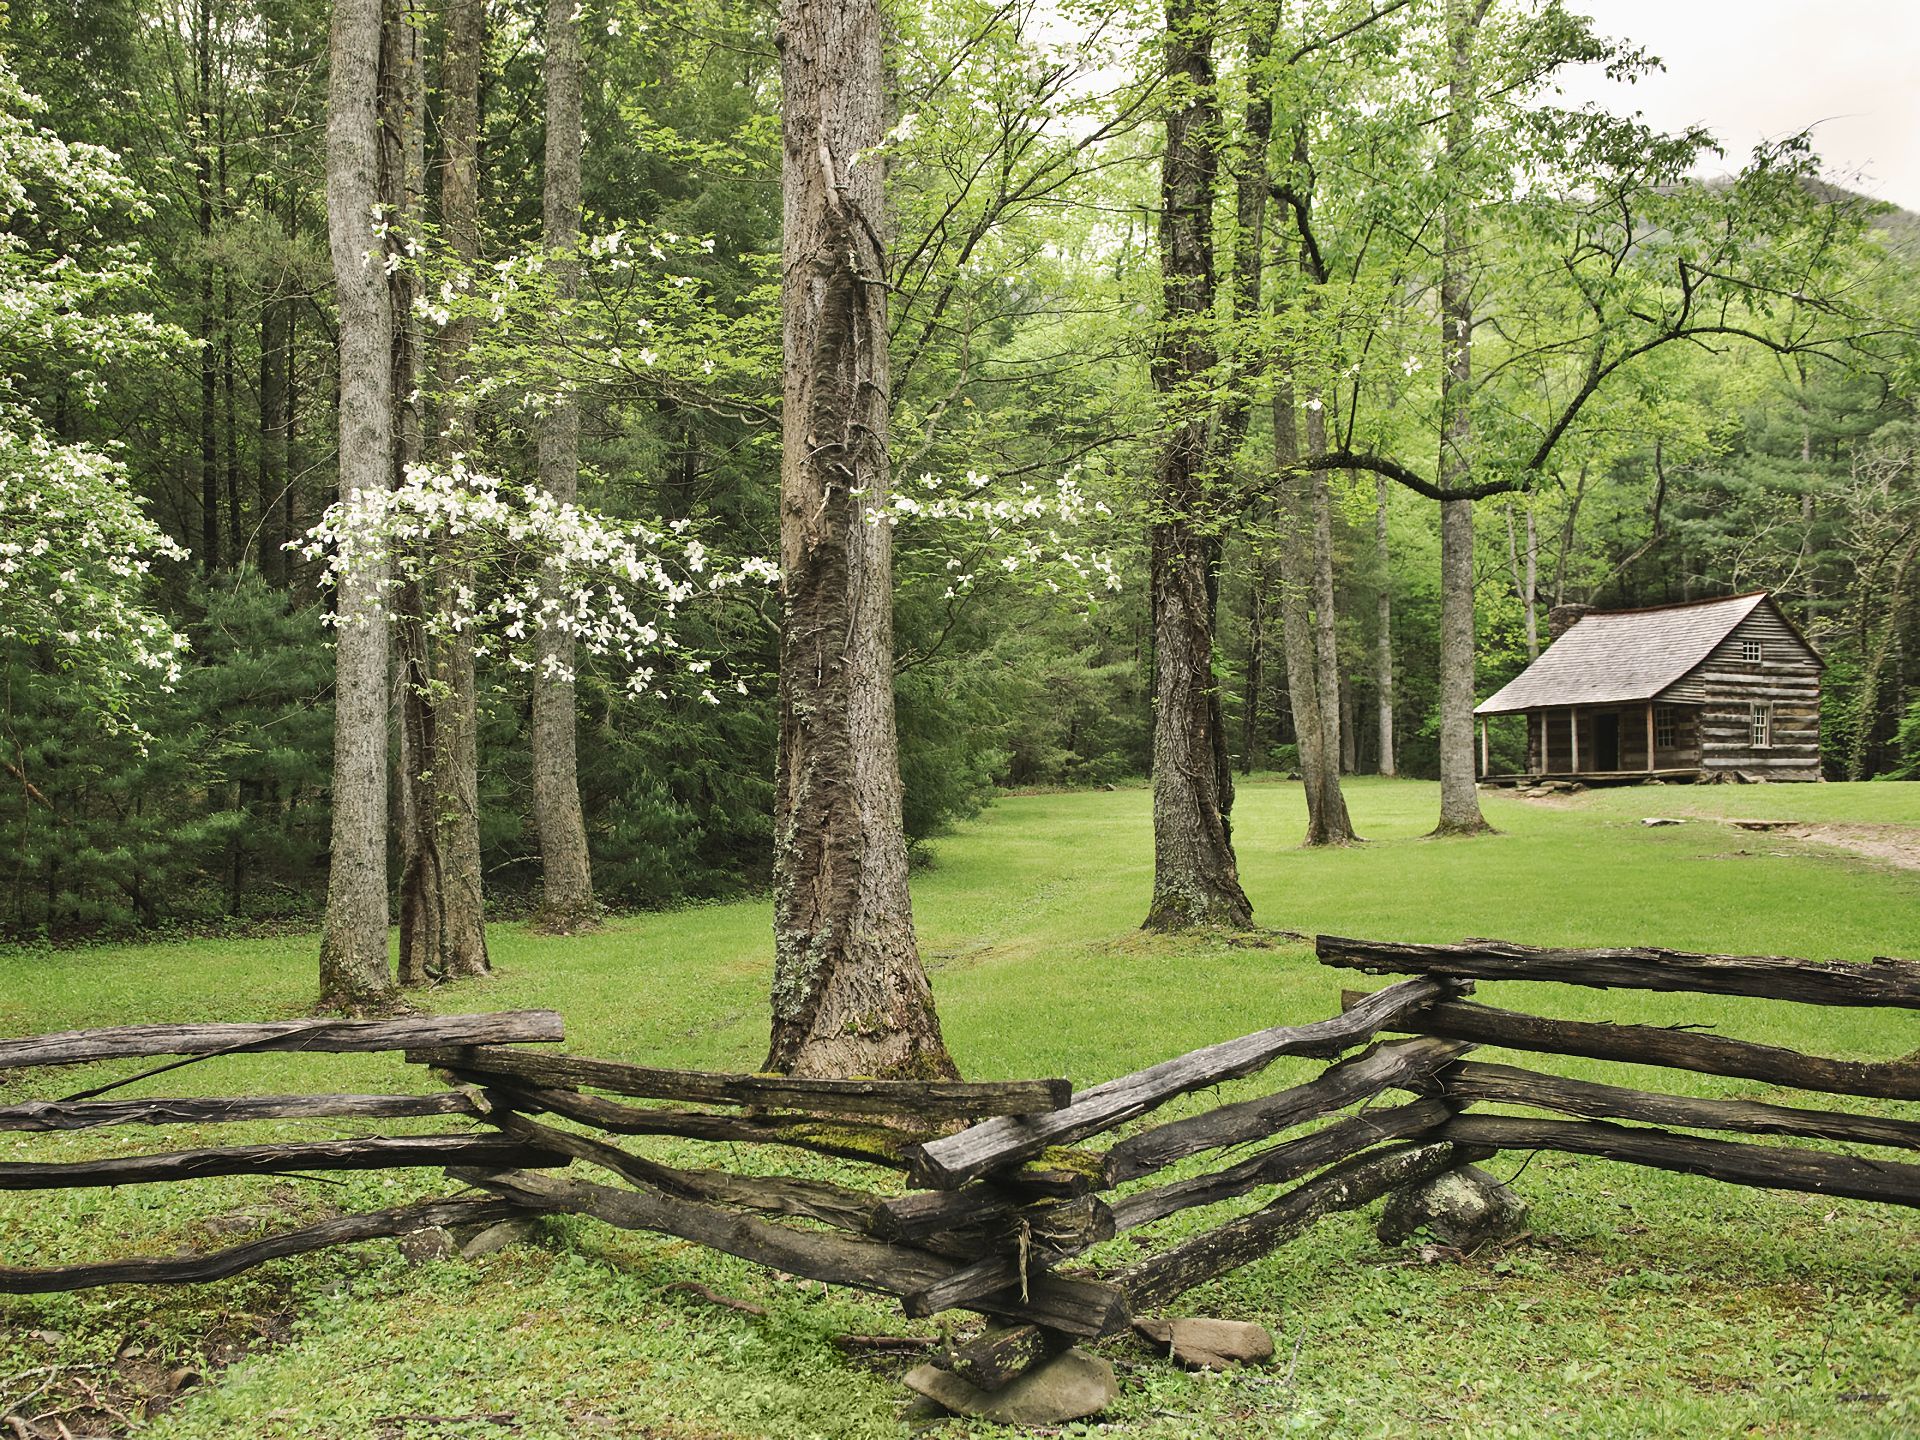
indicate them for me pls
(1465, 1208)
(498, 1237)
(422, 1246)
(1204, 1344)
(1070, 1386)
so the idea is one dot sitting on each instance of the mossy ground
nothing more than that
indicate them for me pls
(1644, 1305)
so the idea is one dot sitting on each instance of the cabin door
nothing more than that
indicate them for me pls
(1606, 740)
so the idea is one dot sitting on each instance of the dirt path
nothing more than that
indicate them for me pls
(1891, 844)
(1897, 845)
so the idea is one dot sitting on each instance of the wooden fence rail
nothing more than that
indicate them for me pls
(1004, 1197)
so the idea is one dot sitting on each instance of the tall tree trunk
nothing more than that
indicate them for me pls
(1196, 879)
(1383, 641)
(1526, 575)
(1327, 820)
(403, 183)
(1459, 784)
(270, 475)
(849, 994)
(353, 949)
(457, 770)
(1259, 580)
(209, 352)
(1326, 615)
(565, 868)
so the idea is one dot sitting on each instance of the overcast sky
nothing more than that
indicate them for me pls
(1757, 69)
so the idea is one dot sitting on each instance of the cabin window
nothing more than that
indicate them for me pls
(1665, 724)
(1762, 726)
(1752, 651)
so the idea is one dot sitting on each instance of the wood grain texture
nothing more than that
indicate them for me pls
(1401, 1064)
(193, 1269)
(954, 1160)
(927, 1099)
(1152, 1282)
(1770, 1167)
(1771, 977)
(74, 1047)
(1471, 1082)
(1676, 1049)
(88, 1115)
(379, 1152)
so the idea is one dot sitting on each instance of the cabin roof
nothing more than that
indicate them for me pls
(1611, 657)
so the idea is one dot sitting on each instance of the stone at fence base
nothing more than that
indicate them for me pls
(498, 1237)
(1070, 1386)
(1465, 1208)
(433, 1243)
(1204, 1344)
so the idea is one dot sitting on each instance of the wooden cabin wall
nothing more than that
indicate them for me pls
(1787, 677)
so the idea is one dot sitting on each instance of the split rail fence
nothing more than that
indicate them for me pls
(986, 1193)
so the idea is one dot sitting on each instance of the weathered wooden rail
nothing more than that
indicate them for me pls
(986, 1196)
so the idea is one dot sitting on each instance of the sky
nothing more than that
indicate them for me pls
(1751, 70)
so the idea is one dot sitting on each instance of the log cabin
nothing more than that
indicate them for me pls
(1709, 689)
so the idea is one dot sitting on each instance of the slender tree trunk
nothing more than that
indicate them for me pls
(209, 352)
(1196, 879)
(1326, 615)
(565, 868)
(1459, 785)
(1259, 579)
(1327, 820)
(849, 994)
(1383, 641)
(353, 949)
(270, 475)
(457, 767)
(403, 183)
(1526, 575)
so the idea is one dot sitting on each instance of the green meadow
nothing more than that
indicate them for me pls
(1642, 1304)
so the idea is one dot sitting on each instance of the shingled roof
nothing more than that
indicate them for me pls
(1612, 657)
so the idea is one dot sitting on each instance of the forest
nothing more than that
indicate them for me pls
(1250, 379)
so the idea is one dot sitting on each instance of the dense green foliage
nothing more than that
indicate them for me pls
(1644, 1303)
(1024, 290)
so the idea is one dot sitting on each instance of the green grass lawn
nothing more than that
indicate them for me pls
(1645, 1304)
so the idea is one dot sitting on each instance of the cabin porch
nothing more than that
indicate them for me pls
(1618, 743)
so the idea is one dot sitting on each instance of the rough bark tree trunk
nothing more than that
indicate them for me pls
(1526, 574)
(209, 353)
(1326, 616)
(1327, 820)
(565, 867)
(1383, 642)
(403, 185)
(849, 994)
(1196, 879)
(1459, 783)
(353, 948)
(457, 768)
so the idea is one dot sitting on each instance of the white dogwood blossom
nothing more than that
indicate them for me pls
(616, 587)
(76, 548)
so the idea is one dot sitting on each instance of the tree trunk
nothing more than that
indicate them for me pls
(1526, 575)
(565, 868)
(1459, 784)
(1383, 643)
(1326, 631)
(353, 949)
(1196, 880)
(849, 994)
(403, 183)
(209, 354)
(1259, 580)
(457, 771)
(1327, 820)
